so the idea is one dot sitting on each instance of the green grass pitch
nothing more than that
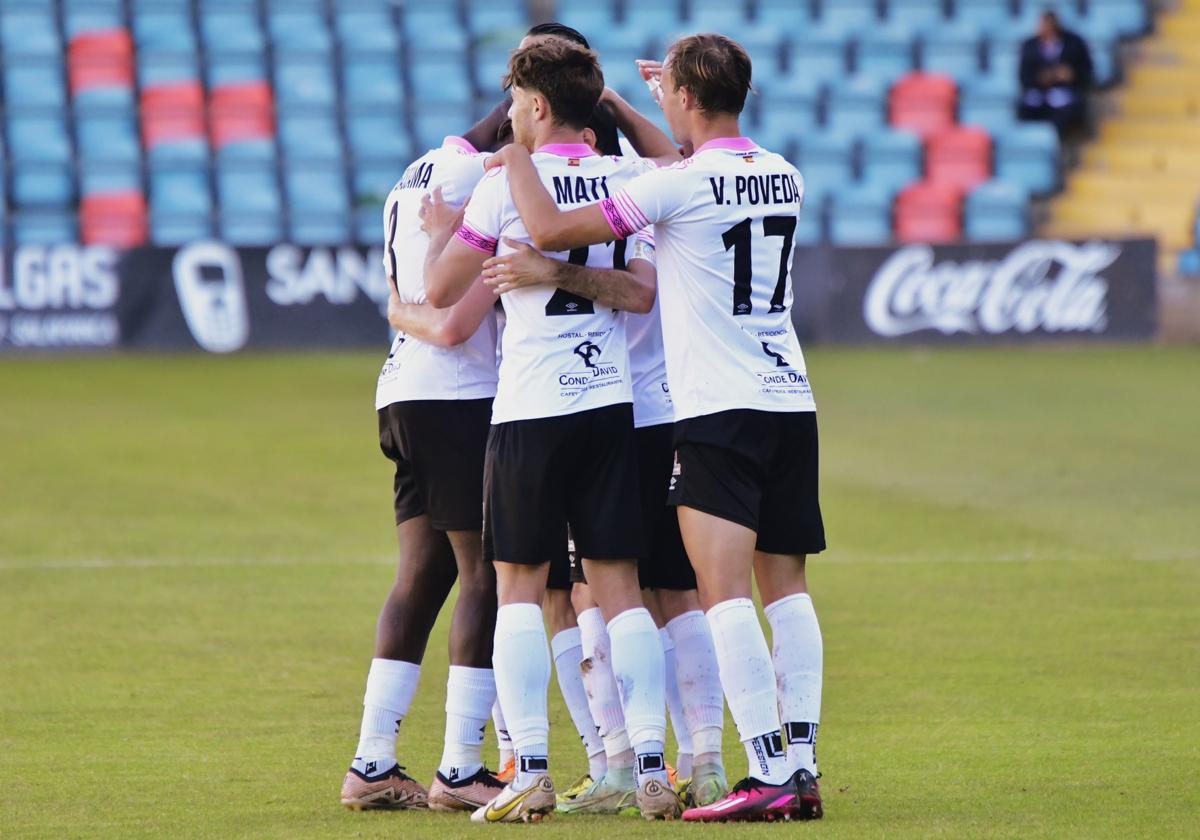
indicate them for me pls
(193, 550)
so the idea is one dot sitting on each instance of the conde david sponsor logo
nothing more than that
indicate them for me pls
(1047, 285)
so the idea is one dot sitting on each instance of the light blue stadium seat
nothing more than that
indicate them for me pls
(953, 50)
(860, 215)
(45, 227)
(92, 18)
(309, 137)
(234, 31)
(261, 150)
(916, 13)
(231, 69)
(193, 150)
(886, 52)
(1105, 68)
(848, 16)
(620, 68)
(989, 101)
(27, 31)
(299, 30)
(367, 31)
(179, 228)
(810, 227)
(159, 69)
(304, 82)
(250, 229)
(374, 179)
(997, 211)
(661, 16)
(34, 85)
(104, 100)
(248, 188)
(432, 122)
(591, 17)
(1027, 155)
(504, 20)
(166, 31)
(373, 82)
(438, 77)
(318, 204)
(109, 176)
(785, 110)
(434, 25)
(731, 16)
(856, 104)
(818, 54)
(891, 159)
(42, 184)
(368, 228)
(784, 15)
(1129, 17)
(379, 136)
(623, 36)
(1003, 54)
(989, 15)
(1189, 263)
(826, 158)
(38, 139)
(491, 63)
(180, 191)
(107, 139)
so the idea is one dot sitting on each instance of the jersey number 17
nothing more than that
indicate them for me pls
(738, 238)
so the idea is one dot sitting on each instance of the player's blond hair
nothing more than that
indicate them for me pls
(714, 68)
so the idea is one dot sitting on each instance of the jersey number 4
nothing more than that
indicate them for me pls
(738, 238)
(563, 302)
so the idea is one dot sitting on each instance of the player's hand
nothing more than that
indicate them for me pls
(652, 75)
(524, 267)
(393, 308)
(498, 159)
(437, 216)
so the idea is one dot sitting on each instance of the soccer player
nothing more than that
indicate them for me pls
(561, 451)
(745, 481)
(668, 581)
(434, 399)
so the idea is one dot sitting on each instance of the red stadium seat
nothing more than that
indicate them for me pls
(961, 157)
(929, 212)
(923, 103)
(116, 218)
(100, 59)
(172, 112)
(242, 111)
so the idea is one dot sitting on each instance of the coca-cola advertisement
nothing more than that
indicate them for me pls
(1044, 290)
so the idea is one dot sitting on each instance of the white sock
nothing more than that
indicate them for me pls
(603, 697)
(637, 658)
(748, 678)
(503, 743)
(470, 694)
(798, 657)
(391, 685)
(567, 647)
(699, 681)
(522, 663)
(679, 725)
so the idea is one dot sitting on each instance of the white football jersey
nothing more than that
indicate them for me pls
(723, 222)
(647, 364)
(415, 370)
(561, 353)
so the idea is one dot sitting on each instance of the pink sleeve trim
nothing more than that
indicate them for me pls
(631, 209)
(616, 221)
(477, 240)
(623, 216)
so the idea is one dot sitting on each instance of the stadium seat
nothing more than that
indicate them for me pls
(104, 100)
(661, 16)
(115, 218)
(221, 70)
(248, 189)
(432, 122)
(891, 159)
(818, 54)
(989, 101)
(231, 30)
(434, 25)
(107, 139)
(960, 156)
(309, 138)
(164, 31)
(718, 16)
(180, 191)
(916, 13)
(250, 229)
(499, 20)
(439, 77)
(373, 83)
(42, 184)
(29, 32)
(491, 63)
(92, 17)
(365, 31)
(101, 59)
(380, 136)
(303, 82)
(826, 158)
(172, 112)
(923, 103)
(953, 50)
(860, 215)
(929, 212)
(179, 228)
(299, 31)
(38, 139)
(997, 211)
(318, 205)
(856, 104)
(588, 16)
(848, 16)
(44, 227)
(885, 52)
(989, 15)
(1027, 154)
(34, 85)
(1129, 17)
(243, 111)
(109, 176)
(167, 68)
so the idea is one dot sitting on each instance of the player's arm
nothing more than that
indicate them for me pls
(549, 228)
(453, 259)
(631, 290)
(442, 327)
(483, 134)
(647, 139)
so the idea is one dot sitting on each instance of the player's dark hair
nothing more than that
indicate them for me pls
(568, 75)
(604, 124)
(559, 30)
(715, 69)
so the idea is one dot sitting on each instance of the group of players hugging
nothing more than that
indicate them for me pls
(618, 450)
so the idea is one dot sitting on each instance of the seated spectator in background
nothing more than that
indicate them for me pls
(1056, 73)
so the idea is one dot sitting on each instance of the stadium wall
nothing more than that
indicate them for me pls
(219, 298)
